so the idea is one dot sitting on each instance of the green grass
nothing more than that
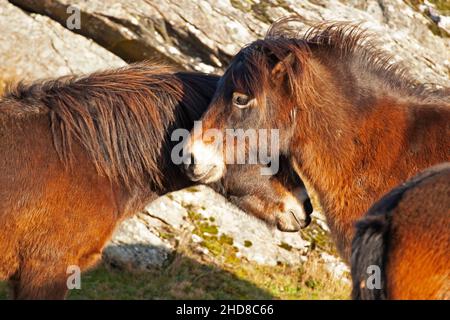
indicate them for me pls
(188, 279)
(217, 275)
(220, 274)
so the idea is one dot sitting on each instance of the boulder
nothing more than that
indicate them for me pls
(148, 239)
(34, 46)
(204, 35)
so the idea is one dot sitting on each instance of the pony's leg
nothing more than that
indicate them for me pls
(9, 262)
(48, 281)
(38, 281)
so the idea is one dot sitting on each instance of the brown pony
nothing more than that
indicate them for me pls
(80, 154)
(400, 224)
(352, 123)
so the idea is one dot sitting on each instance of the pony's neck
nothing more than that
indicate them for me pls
(349, 148)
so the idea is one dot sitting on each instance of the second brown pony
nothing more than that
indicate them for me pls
(80, 154)
(353, 123)
(400, 227)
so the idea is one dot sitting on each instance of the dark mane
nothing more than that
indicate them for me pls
(343, 41)
(122, 118)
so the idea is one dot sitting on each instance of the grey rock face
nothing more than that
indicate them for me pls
(204, 35)
(138, 243)
(135, 247)
(34, 46)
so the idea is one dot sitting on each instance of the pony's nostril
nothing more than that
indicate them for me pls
(189, 165)
(289, 221)
(302, 222)
(292, 212)
(307, 206)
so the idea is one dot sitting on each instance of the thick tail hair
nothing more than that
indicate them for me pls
(370, 245)
(370, 248)
(368, 260)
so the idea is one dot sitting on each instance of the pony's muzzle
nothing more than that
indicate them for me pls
(204, 172)
(205, 163)
(293, 220)
(197, 172)
(297, 213)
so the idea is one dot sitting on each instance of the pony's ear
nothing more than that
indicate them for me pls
(279, 69)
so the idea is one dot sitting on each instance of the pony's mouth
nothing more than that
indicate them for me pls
(303, 223)
(308, 210)
(307, 206)
(207, 174)
(298, 213)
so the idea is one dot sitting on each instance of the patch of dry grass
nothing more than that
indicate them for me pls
(442, 6)
(193, 275)
(6, 79)
(2, 87)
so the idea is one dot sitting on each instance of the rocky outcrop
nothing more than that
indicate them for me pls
(205, 218)
(204, 35)
(34, 46)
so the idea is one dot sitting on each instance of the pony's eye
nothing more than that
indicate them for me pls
(241, 100)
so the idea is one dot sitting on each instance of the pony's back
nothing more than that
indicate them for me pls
(404, 240)
(116, 116)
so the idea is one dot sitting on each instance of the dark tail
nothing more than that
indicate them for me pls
(371, 242)
(368, 259)
(370, 248)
